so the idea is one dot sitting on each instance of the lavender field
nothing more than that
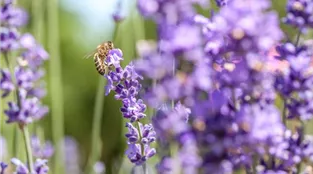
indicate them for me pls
(156, 87)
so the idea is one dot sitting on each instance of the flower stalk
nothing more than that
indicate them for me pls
(96, 127)
(28, 148)
(57, 110)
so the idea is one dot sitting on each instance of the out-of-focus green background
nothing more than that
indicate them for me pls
(82, 26)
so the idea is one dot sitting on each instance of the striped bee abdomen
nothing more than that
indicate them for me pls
(100, 67)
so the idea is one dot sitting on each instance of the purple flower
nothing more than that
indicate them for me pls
(293, 149)
(245, 28)
(3, 147)
(117, 16)
(299, 13)
(139, 149)
(155, 66)
(165, 166)
(125, 83)
(296, 79)
(72, 156)
(34, 55)
(26, 111)
(221, 3)
(137, 156)
(9, 39)
(41, 151)
(3, 166)
(99, 168)
(173, 124)
(6, 84)
(12, 16)
(264, 122)
(40, 166)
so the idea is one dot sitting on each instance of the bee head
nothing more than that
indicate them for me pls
(110, 44)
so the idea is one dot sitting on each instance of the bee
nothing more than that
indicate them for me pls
(100, 54)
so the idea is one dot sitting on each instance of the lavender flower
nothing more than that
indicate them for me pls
(254, 31)
(99, 168)
(221, 3)
(165, 165)
(28, 85)
(26, 111)
(117, 15)
(12, 16)
(299, 13)
(173, 124)
(9, 39)
(126, 86)
(3, 166)
(41, 151)
(72, 156)
(3, 148)
(296, 79)
(40, 166)
(293, 149)
(6, 84)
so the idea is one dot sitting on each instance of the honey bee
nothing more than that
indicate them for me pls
(100, 54)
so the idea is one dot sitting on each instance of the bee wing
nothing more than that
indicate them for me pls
(90, 54)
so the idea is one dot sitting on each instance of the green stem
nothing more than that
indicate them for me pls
(16, 98)
(140, 137)
(298, 38)
(284, 112)
(38, 17)
(144, 168)
(28, 148)
(96, 125)
(236, 104)
(254, 164)
(57, 111)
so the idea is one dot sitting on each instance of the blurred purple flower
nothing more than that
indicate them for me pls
(9, 39)
(39, 150)
(293, 149)
(6, 84)
(245, 27)
(3, 147)
(296, 79)
(26, 111)
(3, 166)
(12, 16)
(40, 166)
(264, 122)
(299, 13)
(34, 54)
(221, 3)
(173, 124)
(72, 155)
(99, 168)
(155, 66)
(165, 166)
(117, 15)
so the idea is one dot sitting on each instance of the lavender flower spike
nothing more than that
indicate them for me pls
(27, 111)
(41, 150)
(299, 13)
(3, 166)
(40, 166)
(125, 83)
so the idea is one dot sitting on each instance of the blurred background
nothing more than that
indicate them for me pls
(82, 25)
